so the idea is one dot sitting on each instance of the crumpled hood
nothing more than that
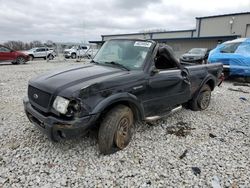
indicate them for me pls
(81, 76)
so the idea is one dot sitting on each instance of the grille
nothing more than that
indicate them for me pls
(39, 97)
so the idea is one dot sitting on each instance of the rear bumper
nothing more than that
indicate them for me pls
(55, 128)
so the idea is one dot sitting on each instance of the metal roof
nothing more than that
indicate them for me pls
(139, 33)
(221, 15)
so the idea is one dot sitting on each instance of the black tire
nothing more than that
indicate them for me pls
(73, 55)
(202, 100)
(31, 57)
(20, 60)
(116, 129)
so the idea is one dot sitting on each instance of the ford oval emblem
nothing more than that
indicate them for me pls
(35, 96)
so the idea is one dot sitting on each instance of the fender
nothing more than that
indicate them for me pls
(120, 97)
(204, 81)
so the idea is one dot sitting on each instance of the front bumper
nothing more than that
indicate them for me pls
(55, 128)
(67, 55)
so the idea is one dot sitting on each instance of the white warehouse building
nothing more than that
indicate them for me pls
(209, 31)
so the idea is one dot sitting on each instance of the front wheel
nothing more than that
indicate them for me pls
(116, 129)
(73, 55)
(20, 60)
(202, 100)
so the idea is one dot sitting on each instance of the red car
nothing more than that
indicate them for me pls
(15, 57)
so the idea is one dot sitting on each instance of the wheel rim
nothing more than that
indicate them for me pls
(50, 57)
(74, 56)
(123, 133)
(21, 61)
(205, 99)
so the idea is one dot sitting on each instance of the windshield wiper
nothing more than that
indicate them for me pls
(93, 61)
(117, 64)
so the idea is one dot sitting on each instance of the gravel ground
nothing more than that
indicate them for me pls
(187, 149)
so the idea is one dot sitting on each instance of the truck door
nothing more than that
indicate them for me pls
(168, 84)
(40, 52)
(166, 89)
(36, 53)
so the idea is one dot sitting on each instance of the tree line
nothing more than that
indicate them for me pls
(20, 45)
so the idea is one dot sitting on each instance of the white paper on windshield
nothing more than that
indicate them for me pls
(142, 44)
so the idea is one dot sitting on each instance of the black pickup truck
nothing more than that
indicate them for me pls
(127, 81)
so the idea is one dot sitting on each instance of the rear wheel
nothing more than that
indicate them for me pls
(202, 100)
(20, 60)
(116, 129)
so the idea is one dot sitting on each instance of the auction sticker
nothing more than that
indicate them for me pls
(142, 44)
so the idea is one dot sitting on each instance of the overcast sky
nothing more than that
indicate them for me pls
(83, 20)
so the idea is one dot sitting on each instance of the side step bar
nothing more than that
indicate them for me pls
(153, 118)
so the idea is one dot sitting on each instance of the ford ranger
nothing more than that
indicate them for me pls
(126, 82)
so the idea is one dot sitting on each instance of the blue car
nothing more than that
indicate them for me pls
(234, 55)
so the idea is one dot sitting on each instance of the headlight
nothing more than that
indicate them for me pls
(61, 104)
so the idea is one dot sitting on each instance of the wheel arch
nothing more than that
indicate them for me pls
(210, 81)
(125, 99)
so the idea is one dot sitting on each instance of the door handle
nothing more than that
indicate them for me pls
(186, 79)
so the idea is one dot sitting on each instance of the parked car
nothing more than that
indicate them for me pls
(127, 81)
(235, 56)
(76, 51)
(195, 55)
(15, 57)
(41, 52)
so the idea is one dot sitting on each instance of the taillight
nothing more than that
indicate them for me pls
(221, 78)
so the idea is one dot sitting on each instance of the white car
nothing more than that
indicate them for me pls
(76, 51)
(41, 52)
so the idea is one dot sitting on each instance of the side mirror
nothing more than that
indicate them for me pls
(154, 71)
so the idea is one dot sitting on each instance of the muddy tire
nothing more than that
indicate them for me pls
(202, 100)
(116, 129)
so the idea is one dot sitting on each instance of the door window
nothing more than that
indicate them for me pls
(244, 49)
(3, 49)
(230, 47)
(165, 59)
